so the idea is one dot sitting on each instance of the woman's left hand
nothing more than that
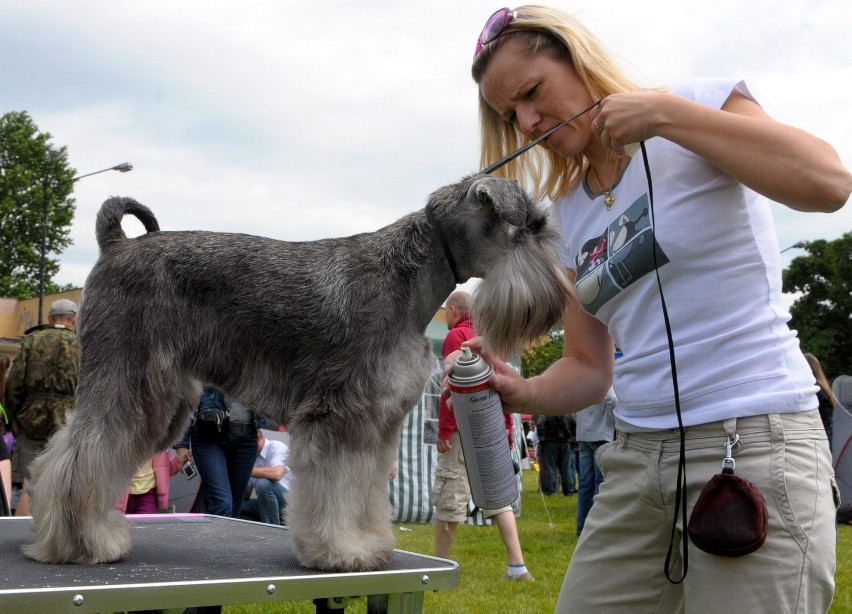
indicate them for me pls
(621, 121)
(505, 380)
(783, 163)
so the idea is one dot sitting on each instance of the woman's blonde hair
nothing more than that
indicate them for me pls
(546, 30)
(819, 376)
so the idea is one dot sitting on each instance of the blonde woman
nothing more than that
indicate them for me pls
(696, 223)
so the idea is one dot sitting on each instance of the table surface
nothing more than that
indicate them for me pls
(183, 560)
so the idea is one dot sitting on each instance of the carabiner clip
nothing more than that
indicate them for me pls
(728, 463)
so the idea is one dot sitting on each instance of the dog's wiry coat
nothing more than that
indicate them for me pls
(324, 336)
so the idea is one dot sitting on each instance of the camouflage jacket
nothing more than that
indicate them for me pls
(42, 381)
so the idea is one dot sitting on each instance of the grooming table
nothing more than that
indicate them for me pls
(190, 560)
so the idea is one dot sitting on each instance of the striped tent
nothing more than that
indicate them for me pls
(411, 490)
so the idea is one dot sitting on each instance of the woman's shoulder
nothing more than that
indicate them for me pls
(712, 92)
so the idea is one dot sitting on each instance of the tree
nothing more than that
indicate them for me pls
(35, 182)
(821, 315)
(535, 359)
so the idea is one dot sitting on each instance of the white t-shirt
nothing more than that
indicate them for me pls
(719, 264)
(273, 454)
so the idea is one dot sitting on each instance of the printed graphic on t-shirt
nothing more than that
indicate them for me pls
(609, 263)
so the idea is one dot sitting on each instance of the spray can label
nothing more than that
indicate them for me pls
(482, 430)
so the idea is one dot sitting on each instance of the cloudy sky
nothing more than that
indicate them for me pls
(307, 120)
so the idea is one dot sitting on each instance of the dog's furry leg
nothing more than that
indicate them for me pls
(337, 523)
(89, 463)
(73, 501)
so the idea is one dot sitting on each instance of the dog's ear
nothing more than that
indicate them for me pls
(506, 198)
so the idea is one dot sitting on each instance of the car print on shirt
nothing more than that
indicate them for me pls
(612, 261)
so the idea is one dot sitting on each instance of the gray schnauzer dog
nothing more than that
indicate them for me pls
(324, 336)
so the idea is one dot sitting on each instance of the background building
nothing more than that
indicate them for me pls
(16, 317)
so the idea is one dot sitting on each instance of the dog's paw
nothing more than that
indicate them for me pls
(105, 542)
(340, 558)
(349, 562)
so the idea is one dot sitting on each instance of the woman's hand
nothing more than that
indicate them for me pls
(783, 163)
(513, 389)
(621, 121)
(183, 456)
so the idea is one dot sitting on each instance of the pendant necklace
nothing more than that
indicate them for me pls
(609, 198)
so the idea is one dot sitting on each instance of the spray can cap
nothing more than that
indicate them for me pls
(470, 367)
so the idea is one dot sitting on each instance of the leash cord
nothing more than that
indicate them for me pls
(430, 214)
(448, 254)
(680, 493)
(501, 163)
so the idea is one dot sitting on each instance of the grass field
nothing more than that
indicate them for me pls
(548, 542)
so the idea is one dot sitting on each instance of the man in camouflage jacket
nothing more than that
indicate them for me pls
(40, 388)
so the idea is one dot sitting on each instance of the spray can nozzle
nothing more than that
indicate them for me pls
(469, 367)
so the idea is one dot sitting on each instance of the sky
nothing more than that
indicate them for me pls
(301, 121)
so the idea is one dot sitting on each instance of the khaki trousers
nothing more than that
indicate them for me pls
(618, 563)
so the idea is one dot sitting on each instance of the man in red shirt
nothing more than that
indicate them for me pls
(451, 489)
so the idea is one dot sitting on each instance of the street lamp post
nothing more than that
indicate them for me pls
(797, 245)
(54, 153)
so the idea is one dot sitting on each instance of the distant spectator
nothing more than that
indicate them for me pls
(826, 398)
(555, 456)
(842, 389)
(223, 443)
(595, 427)
(40, 389)
(270, 480)
(451, 487)
(149, 490)
(5, 461)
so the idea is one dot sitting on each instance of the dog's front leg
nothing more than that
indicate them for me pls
(338, 509)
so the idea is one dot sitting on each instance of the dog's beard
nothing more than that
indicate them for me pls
(521, 298)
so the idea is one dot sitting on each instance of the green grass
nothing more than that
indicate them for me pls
(547, 546)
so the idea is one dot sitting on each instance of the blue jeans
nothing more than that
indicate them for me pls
(590, 480)
(270, 500)
(224, 463)
(557, 458)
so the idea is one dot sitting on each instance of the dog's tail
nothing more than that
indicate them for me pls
(108, 227)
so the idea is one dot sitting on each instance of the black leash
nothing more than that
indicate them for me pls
(430, 215)
(501, 163)
(680, 493)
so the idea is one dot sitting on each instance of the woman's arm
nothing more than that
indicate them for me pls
(783, 163)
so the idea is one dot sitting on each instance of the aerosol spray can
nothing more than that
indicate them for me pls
(482, 429)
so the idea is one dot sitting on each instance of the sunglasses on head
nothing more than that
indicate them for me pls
(493, 28)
